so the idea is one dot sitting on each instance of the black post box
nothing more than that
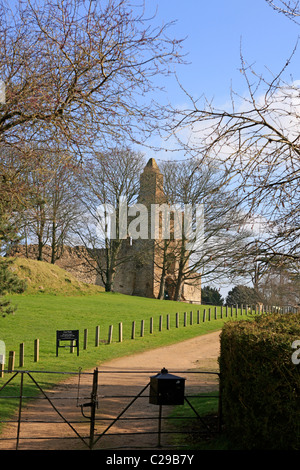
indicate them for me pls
(166, 389)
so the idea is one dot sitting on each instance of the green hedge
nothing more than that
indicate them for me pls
(260, 384)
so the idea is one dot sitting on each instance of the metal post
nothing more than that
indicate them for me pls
(20, 409)
(21, 358)
(159, 426)
(93, 407)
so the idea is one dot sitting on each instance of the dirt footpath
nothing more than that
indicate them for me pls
(120, 382)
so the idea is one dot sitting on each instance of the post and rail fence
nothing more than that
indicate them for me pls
(208, 314)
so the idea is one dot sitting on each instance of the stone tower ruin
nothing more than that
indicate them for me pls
(141, 273)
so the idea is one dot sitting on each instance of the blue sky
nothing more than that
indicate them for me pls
(215, 30)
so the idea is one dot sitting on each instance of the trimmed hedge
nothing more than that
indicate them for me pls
(260, 384)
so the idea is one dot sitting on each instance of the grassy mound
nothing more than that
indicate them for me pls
(43, 277)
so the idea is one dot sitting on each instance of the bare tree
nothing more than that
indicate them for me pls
(209, 253)
(281, 288)
(110, 180)
(51, 199)
(290, 8)
(81, 72)
(257, 144)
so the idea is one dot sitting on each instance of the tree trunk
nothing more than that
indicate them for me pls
(40, 248)
(53, 244)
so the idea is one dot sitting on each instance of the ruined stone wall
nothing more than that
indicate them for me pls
(133, 277)
(77, 261)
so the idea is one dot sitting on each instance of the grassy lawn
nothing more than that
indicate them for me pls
(39, 315)
(187, 424)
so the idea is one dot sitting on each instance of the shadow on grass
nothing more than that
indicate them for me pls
(198, 427)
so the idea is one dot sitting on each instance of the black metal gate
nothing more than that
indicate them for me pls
(95, 419)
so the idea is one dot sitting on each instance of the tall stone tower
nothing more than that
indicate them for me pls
(151, 185)
(151, 192)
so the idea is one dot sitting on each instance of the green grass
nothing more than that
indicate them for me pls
(186, 423)
(38, 316)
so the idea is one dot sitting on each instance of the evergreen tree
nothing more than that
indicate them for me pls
(211, 296)
(243, 295)
(9, 282)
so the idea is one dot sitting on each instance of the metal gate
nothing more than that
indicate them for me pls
(94, 414)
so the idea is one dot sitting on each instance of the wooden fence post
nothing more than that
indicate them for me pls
(215, 313)
(97, 336)
(133, 330)
(191, 318)
(198, 317)
(151, 325)
(85, 339)
(204, 315)
(142, 328)
(36, 350)
(110, 333)
(177, 320)
(21, 358)
(11, 361)
(160, 322)
(209, 314)
(120, 332)
(184, 319)
(168, 322)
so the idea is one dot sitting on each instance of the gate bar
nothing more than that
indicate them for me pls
(93, 407)
(20, 410)
(122, 412)
(58, 412)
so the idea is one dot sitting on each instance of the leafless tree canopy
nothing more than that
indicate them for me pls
(290, 8)
(256, 141)
(81, 71)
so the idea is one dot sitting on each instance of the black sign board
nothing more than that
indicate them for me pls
(67, 335)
